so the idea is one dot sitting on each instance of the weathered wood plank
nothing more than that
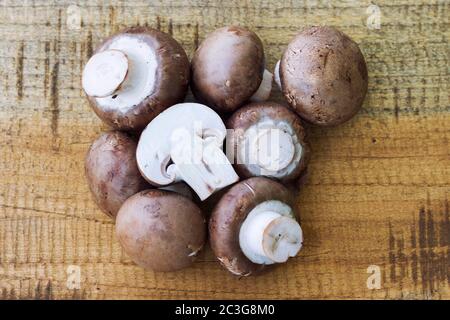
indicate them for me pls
(378, 190)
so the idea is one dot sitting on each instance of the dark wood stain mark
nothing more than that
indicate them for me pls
(425, 261)
(392, 256)
(158, 23)
(6, 83)
(170, 27)
(402, 260)
(196, 36)
(59, 24)
(46, 66)
(49, 290)
(19, 70)
(37, 291)
(396, 106)
(444, 227)
(89, 46)
(73, 61)
(112, 18)
(43, 293)
(414, 259)
(54, 99)
(54, 90)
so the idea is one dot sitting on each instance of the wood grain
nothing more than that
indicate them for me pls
(378, 190)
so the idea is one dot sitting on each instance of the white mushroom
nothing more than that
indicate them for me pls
(134, 75)
(270, 234)
(104, 74)
(184, 143)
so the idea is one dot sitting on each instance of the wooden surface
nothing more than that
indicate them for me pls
(379, 186)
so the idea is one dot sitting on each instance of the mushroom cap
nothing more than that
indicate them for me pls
(227, 68)
(111, 171)
(229, 214)
(251, 114)
(324, 76)
(170, 82)
(161, 230)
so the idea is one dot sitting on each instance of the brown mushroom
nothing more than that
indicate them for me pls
(254, 225)
(268, 140)
(111, 171)
(134, 75)
(227, 69)
(161, 230)
(323, 76)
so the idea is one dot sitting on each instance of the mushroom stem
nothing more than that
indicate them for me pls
(201, 163)
(276, 74)
(272, 149)
(105, 72)
(263, 92)
(270, 235)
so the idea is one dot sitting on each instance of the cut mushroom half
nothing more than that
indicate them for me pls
(184, 143)
(254, 225)
(134, 75)
(268, 140)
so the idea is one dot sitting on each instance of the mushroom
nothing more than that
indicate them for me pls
(111, 171)
(134, 75)
(268, 140)
(184, 143)
(161, 230)
(254, 225)
(323, 76)
(228, 69)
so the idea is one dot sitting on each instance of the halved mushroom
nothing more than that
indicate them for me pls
(111, 171)
(134, 75)
(323, 76)
(184, 143)
(268, 140)
(254, 225)
(161, 230)
(228, 69)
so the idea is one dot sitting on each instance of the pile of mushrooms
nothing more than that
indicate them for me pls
(172, 173)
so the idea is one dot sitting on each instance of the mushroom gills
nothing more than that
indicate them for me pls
(264, 89)
(270, 234)
(270, 148)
